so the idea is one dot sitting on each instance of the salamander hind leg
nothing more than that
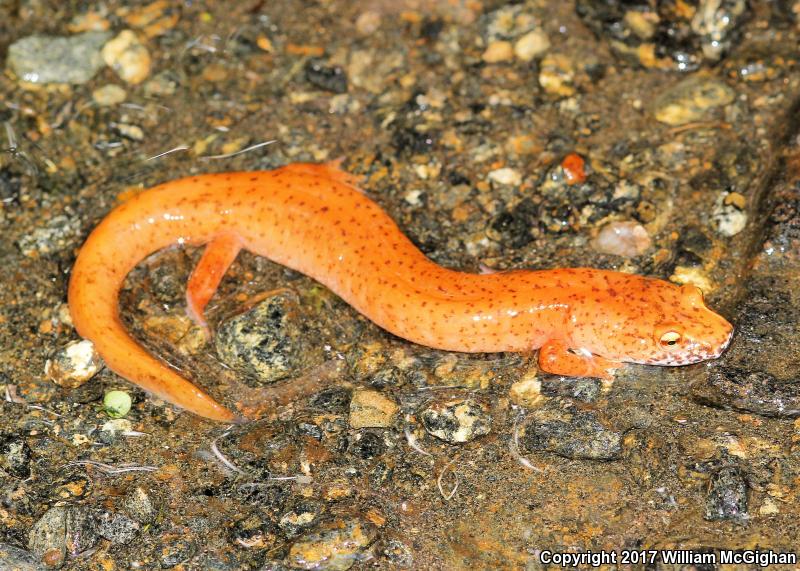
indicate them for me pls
(557, 358)
(217, 258)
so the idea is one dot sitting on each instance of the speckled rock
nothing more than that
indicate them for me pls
(61, 532)
(579, 435)
(370, 409)
(59, 233)
(54, 59)
(15, 456)
(139, 505)
(457, 420)
(727, 495)
(751, 391)
(16, 559)
(729, 215)
(301, 517)
(177, 552)
(693, 99)
(117, 527)
(334, 548)
(73, 364)
(261, 342)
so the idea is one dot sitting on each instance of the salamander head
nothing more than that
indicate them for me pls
(685, 332)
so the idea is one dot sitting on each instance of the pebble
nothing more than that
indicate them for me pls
(729, 215)
(114, 428)
(55, 59)
(578, 435)
(623, 238)
(456, 421)
(128, 57)
(692, 99)
(368, 22)
(138, 505)
(109, 95)
(498, 51)
(527, 391)
(177, 552)
(59, 233)
(260, 342)
(506, 176)
(750, 391)
(117, 527)
(73, 364)
(336, 547)
(15, 456)
(370, 409)
(62, 531)
(531, 45)
(557, 75)
(727, 495)
(16, 559)
(300, 518)
(327, 77)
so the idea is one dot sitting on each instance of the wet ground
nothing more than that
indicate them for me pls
(658, 140)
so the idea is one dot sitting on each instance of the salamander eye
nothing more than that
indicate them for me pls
(670, 339)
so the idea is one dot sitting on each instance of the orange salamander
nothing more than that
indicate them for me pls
(314, 219)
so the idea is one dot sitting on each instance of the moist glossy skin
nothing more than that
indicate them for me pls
(313, 218)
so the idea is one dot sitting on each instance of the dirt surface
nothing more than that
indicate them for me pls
(500, 135)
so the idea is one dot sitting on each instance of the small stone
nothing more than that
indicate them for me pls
(579, 435)
(116, 527)
(527, 391)
(115, 427)
(692, 99)
(557, 75)
(329, 78)
(531, 45)
(334, 548)
(506, 175)
(60, 233)
(727, 495)
(15, 456)
(177, 552)
(370, 409)
(301, 517)
(627, 239)
(456, 421)
(74, 364)
(164, 84)
(132, 132)
(109, 95)
(498, 51)
(260, 342)
(54, 59)
(139, 506)
(398, 553)
(728, 215)
(128, 57)
(47, 536)
(16, 559)
(368, 22)
(749, 391)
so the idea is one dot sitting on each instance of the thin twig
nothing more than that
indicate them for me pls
(513, 446)
(113, 470)
(412, 441)
(175, 150)
(448, 497)
(221, 457)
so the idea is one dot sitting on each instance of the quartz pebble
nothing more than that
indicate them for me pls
(627, 239)
(74, 364)
(128, 57)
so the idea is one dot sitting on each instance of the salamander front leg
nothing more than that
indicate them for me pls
(204, 281)
(557, 358)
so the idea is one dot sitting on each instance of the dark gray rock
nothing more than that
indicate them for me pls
(16, 559)
(15, 456)
(756, 392)
(727, 495)
(579, 435)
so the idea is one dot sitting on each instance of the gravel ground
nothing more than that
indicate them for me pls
(657, 140)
